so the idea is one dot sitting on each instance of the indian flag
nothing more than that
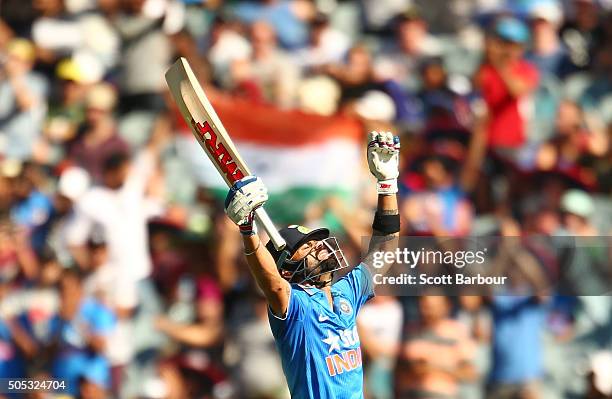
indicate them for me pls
(300, 157)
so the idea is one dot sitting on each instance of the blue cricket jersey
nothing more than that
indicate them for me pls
(319, 347)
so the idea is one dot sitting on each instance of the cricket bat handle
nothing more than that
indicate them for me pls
(261, 216)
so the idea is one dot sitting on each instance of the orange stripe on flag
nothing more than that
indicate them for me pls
(270, 126)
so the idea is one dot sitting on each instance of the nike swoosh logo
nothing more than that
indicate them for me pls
(323, 318)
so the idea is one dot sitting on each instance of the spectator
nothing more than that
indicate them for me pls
(326, 45)
(517, 366)
(548, 53)
(440, 103)
(576, 138)
(12, 364)
(79, 332)
(400, 62)
(16, 260)
(227, 44)
(208, 331)
(441, 207)
(258, 365)
(242, 82)
(505, 81)
(123, 221)
(581, 32)
(593, 93)
(356, 77)
(202, 339)
(98, 137)
(518, 313)
(590, 267)
(436, 356)
(94, 381)
(66, 113)
(271, 67)
(54, 29)
(141, 32)
(40, 302)
(169, 263)
(15, 344)
(378, 15)
(578, 208)
(58, 31)
(118, 292)
(50, 235)
(22, 101)
(286, 17)
(475, 315)
(31, 207)
(380, 325)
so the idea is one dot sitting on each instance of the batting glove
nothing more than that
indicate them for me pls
(246, 195)
(383, 160)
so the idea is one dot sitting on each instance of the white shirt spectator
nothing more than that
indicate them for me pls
(19, 128)
(334, 45)
(91, 33)
(384, 320)
(122, 214)
(111, 287)
(115, 290)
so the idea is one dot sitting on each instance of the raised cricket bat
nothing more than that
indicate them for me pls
(207, 128)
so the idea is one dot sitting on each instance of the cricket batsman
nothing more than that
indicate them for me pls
(313, 318)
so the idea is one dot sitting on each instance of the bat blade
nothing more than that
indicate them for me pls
(220, 150)
(210, 133)
(206, 126)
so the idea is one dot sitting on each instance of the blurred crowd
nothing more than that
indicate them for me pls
(120, 274)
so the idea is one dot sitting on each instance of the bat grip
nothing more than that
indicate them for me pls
(261, 216)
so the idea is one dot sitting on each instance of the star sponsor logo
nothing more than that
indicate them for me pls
(342, 361)
(333, 340)
(341, 338)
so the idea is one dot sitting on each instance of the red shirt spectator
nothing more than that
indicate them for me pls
(506, 127)
(505, 79)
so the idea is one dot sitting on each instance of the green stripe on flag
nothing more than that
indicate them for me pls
(288, 207)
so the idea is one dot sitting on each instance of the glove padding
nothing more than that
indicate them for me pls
(246, 195)
(383, 160)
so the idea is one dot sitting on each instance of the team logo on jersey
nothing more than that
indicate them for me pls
(301, 229)
(345, 306)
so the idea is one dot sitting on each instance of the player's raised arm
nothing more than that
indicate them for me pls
(243, 198)
(383, 160)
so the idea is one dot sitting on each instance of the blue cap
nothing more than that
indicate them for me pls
(512, 29)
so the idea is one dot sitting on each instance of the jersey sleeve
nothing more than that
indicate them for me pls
(357, 284)
(295, 314)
